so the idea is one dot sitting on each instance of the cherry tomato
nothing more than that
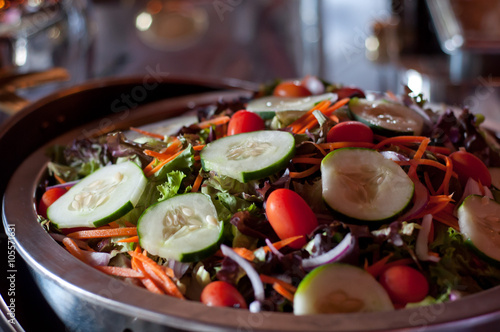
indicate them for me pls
(222, 294)
(350, 131)
(290, 215)
(349, 92)
(49, 197)
(467, 165)
(244, 122)
(291, 89)
(404, 284)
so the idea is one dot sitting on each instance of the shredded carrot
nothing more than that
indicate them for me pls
(146, 281)
(197, 183)
(428, 183)
(340, 145)
(149, 167)
(445, 185)
(113, 224)
(336, 106)
(306, 173)
(283, 243)
(391, 95)
(163, 163)
(245, 253)
(305, 160)
(272, 280)
(169, 286)
(435, 205)
(73, 249)
(98, 233)
(120, 271)
(317, 146)
(128, 224)
(298, 124)
(400, 139)
(313, 122)
(412, 173)
(157, 155)
(376, 268)
(198, 147)
(283, 292)
(132, 239)
(214, 122)
(446, 219)
(147, 133)
(59, 179)
(334, 118)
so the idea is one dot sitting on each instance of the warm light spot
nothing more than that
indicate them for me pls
(154, 6)
(2, 4)
(143, 21)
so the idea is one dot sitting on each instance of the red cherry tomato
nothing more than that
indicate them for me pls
(291, 89)
(350, 131)
(290, 215)
(49, 197)
(467, 165)
(349, 92)
(244, 122)
(404, 284)
(222, 294)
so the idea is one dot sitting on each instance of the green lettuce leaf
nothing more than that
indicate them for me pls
(171, 187)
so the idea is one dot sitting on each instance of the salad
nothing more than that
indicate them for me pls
(309, 198)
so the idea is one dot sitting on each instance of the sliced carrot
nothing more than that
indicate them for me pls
(214, 122)
(169, 286)
(99, 233)
(147, 133)
(59, 179)
(445, 185)
(120, 271)
(305, 160)
(336, 106)
(317, 146)
(272, 280)
(163, 163)
(298, 124)
(412, 173)
(376, 268)
(340, 145)
(197, 183)
(73, 249)
(311, 120)
(446, 219)
(113, 224)
(198, 147)
(132, 239)
(306, 173)
(283, 292)
(283, 243)
(401, 140)
(245, 253)
(146, 281)
(149, 167)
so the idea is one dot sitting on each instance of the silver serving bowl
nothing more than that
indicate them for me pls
(86, 299)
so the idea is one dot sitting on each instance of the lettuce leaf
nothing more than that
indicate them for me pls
(171, 187)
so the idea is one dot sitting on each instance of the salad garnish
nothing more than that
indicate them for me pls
(309, 198)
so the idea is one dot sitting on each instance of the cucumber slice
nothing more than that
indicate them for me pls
(339, 288)
(479, 221)
(386, 118)
(268, 107)
(101, 197)
(361, 184)
(249, 156)
(184, 228)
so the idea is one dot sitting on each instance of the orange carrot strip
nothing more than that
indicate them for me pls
(146, 281)
(445, 185)
(306, 173)
(214, 122)
(157, 155)
(428, 183)
(198, 147)
(147, 133)
(336, 106)
(163, 163)
(169, 286)
(317, 146)
(433, 208)
(98, 233)
(340, 145)
(132, 239)
(120, 271)
(298, 124)
(59, 179)
(197, 183)
(376, 268)
(400, 139)
(412, 173)
(283, 292)
(245, 253)
(113, 224)
(272, 280)
(446, 219)
(283, 243)
(304, 160)
(73, 249)
(311, 120)
(149, 166)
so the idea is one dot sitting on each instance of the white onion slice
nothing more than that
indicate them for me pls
(258, 287)
(273, 249)
(422, 245)
(96, 258)
(340, 251)
(393, 155)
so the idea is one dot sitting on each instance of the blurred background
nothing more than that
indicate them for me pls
(446, 49)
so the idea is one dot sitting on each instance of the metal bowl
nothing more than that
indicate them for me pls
(88, 300)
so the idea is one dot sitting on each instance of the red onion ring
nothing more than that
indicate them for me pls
(340, 251)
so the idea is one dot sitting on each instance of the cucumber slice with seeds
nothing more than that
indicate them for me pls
(361, 184)
(101, 197)
(249, 156)
(386, 118)
(184, 228)
(479, 221)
